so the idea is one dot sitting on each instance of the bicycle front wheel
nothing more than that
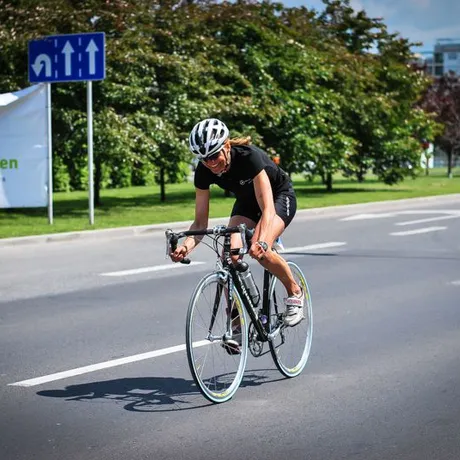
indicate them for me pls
(212, 327)
(290, 349)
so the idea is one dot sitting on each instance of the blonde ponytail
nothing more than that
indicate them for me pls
(240, 140)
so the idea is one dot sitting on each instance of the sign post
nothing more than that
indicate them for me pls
(74, 57)
(50, 154)
(89, 101)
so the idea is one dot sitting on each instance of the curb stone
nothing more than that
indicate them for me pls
(305, 214)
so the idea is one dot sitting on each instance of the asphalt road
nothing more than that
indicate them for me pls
(88, 368)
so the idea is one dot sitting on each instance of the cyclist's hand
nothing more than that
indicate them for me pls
(179, 254)
(256, 251)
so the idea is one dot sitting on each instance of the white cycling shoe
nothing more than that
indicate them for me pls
(294, 309)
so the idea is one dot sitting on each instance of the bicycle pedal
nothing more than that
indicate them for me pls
(232, 347)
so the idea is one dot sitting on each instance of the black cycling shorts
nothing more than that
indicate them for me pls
(285, 207)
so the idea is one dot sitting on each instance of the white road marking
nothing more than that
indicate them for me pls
(432, 211)
(368, 216)
(104, 365)
(455, 283)
(311, 247)
(156, 268)
(430, 219)
(420, 230)
(380, 215)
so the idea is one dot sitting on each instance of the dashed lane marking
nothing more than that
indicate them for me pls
(430, 219)
(312, 247)
(451, 213)
(156, 268)
(420, 230)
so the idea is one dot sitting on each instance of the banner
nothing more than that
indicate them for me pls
(24, 148)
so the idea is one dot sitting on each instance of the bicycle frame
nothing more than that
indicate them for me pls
(262, 330)
(231, 276)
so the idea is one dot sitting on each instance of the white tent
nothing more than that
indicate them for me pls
(24, 149)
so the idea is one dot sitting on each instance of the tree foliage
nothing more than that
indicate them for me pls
(302, 83)
(442, 99)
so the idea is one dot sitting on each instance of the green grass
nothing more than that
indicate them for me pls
(142, 205)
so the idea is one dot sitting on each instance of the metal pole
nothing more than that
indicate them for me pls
(90, 151)
(50, 153)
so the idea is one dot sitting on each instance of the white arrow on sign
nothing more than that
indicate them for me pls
(91, 49)
(67, 51)
(38, 65)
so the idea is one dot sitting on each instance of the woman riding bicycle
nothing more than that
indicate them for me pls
(265, 200)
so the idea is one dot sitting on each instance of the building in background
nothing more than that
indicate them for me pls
(444, 58)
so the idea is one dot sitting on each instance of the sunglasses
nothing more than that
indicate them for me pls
(213, 157)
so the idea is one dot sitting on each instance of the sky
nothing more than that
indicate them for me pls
(417, 20)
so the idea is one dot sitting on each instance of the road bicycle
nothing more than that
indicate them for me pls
(218, 334)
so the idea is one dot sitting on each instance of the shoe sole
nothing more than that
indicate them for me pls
(302, 316)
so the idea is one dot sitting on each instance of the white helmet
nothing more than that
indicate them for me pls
(207, 137)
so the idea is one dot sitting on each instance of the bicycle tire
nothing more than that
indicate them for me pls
(217, 386)
(296, 340)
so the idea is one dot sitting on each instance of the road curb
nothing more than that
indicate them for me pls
(323, 212)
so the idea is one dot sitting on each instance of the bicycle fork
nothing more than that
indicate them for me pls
(225, 284)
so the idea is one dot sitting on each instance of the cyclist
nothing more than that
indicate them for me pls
(265, 200)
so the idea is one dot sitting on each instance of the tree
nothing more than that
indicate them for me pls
(357, 31)
(381, 92)
(443, 100)
(304, 85)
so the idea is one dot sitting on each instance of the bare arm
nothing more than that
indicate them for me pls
(264, 196)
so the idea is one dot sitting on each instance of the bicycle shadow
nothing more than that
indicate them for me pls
(138, 394)
(147, 394)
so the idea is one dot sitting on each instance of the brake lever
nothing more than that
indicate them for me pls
(171, 245)
(169, 233)
(243, 229)
(246, 236)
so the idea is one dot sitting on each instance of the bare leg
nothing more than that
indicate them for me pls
(272, 261)
(236, 241)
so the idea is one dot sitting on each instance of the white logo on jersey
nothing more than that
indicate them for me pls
(247, 181)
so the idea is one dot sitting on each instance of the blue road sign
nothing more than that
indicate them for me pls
(75, 57)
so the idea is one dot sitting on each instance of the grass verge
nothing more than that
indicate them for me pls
(142, 205)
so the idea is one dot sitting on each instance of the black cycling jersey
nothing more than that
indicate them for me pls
(246, 162)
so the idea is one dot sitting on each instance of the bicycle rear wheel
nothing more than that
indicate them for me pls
(215, 367)
(290, 349)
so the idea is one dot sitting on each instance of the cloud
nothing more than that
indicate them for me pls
(376, 9)
(416, 20)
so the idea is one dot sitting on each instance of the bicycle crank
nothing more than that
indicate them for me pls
(256, 346)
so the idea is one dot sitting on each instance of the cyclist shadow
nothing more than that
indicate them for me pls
(145, 394)
(139, 394)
